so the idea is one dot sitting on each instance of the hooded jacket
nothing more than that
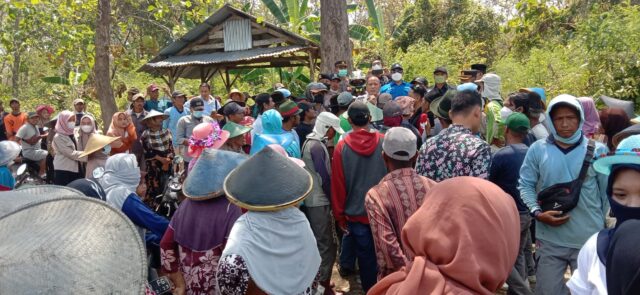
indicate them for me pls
(357, 167)
(547, 164)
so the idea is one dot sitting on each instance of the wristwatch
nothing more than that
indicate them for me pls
(535, 213)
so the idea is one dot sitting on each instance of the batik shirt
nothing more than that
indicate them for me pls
(454, 152)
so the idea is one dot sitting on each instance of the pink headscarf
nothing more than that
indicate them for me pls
(591, 118)
(61, 124)
(468, 253)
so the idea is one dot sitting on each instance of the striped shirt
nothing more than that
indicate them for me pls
(389, 205)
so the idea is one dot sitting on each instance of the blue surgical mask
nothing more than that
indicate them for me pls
(106, 150)
(342, 73)
(198, 114)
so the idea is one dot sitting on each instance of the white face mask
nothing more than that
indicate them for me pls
(505, 112)
(71, 125)
(106, 149)
(86, 128)
(376, 67)
(396, 77)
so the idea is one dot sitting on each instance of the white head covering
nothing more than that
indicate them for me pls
(492, 85)
(121, 178)
(278, 248)
(324, 121)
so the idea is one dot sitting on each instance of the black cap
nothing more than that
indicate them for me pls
(480, 67)
(196, 102)
(326, 76)
(440, 70)
(278, 97)
(396, 66)
(335, 77)
(177, 94)
(420, 80)
(358, 110)
(232, 108)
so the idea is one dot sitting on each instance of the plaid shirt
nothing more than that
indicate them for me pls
(454, 152)
(389, 205)
(159, 141)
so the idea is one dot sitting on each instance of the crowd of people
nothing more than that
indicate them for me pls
(410, 187)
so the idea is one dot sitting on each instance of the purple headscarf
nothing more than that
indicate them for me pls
(204, 225)
(591, 118)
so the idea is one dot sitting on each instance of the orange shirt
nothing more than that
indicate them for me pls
(12, 123)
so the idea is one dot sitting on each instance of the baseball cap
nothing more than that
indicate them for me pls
(196, 102)
(420, 80)
(285, 92)
(316, 87)
(391, 109)
(358, 110)
(518, 122)
(135, 97)
(400, 144)
(330, 120)
(335, 77)
(77, 101)
(232, 108)
(440, 70)
(480, 67)
(396, 66)
(325, 76)
(32, 114)
(177, 94)
(345, 98)
(152, 87)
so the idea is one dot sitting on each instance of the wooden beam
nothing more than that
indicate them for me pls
(312, 70)
(270, 41)
(228, 84)
(269, 66)
(208, 46)
(216, 35)
(273, 32)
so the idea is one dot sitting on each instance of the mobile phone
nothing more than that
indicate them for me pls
(161, 286)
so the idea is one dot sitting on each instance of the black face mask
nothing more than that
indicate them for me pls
(620, 211)
(376, 72)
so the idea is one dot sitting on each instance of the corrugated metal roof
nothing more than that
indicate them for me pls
(223, 57)
(237, 34)
(217, 18)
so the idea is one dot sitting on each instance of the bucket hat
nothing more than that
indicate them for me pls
(441, 106)
(206, 179)
(65, 246)
(267, 181)
(627, 152)
(235, 129)
(96, 142)
(9, 150)
(153, 114)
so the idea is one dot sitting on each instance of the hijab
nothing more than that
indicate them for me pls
(278, 248)
(116, 130)
(121, 178)
(83, 137)
(569, 101)
(591, 118)
(623, 267)
(468, 253)
(62, 126)
(272, 132)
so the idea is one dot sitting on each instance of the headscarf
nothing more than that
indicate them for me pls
(84, 137)
(116, 130)
(591, 118)
(613, 121)
(121, 178)
(204, 225)
(570, 101)
(61, 124)
(278, 248)
(324, 121)
(471, 252)
(623, 267)
(272, 132)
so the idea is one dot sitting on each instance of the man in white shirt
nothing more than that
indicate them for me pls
(211, 105)
(30, 138)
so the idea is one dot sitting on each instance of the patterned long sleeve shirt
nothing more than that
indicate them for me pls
(389, 205)
(454, 152)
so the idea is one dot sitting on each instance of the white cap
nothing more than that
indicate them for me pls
(400, 144)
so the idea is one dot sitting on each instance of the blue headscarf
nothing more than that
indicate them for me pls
(272, 133)
(6, 178)
(570, 101)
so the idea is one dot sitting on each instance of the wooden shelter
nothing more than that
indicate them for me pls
(231, 40)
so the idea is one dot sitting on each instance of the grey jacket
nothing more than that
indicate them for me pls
(66, 156)
(185, 128)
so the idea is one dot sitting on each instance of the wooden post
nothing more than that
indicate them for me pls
(312, 67)
(228, 82)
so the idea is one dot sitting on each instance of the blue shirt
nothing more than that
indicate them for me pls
(505, 171)
(159, 105)
(396, 90)
(172, 122)
(545, 165)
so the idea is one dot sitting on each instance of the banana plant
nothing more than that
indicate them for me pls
(294, 14)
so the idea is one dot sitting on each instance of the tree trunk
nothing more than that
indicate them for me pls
(15, 68)
(334, 34)
(101, 67)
